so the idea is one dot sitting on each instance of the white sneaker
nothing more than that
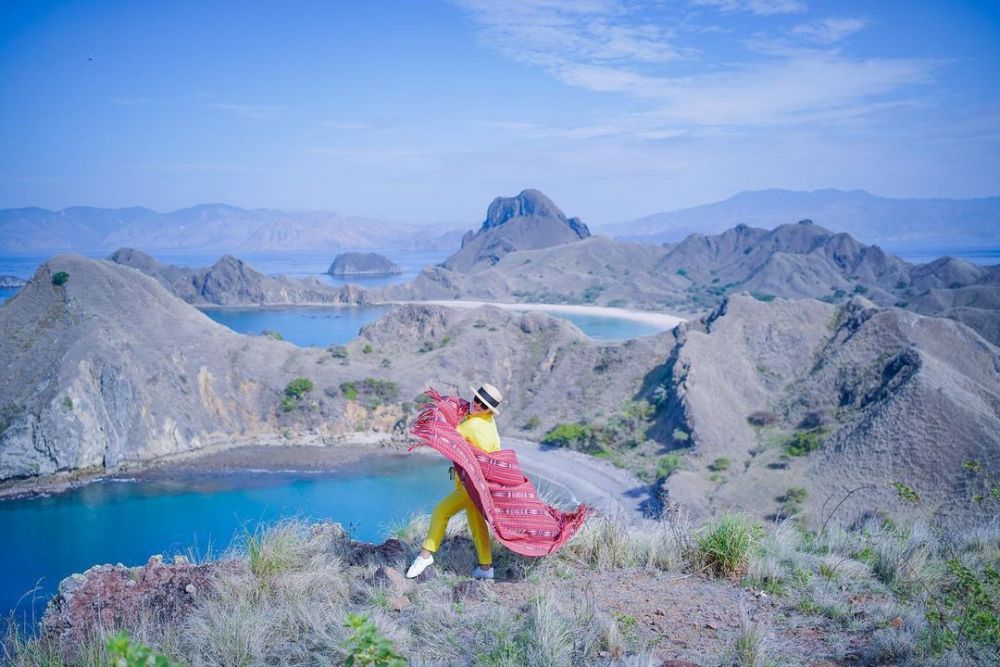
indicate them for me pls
(480, 573)
(419, 565)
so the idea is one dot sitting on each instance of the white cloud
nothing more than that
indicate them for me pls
(604, 47)
(547, 32)
(759, 7)
(254, 111)
(829, 30)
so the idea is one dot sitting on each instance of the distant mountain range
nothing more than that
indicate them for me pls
(916, 223)
(208, 227)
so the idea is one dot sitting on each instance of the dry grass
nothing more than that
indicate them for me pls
(286, 600)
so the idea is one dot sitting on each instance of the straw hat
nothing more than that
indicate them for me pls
(489, 396)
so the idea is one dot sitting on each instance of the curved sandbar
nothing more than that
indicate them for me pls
(665, 320)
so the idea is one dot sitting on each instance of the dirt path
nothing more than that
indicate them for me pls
(582, 478)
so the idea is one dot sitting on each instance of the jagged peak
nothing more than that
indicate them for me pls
(527, 203)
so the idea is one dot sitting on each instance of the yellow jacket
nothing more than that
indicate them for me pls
(480, 430)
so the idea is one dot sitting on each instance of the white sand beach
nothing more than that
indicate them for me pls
(665, 320)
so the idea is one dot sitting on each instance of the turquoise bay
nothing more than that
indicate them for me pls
(111, 521)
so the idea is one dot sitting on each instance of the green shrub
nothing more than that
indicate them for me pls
(338, 351)
(276, 335)
(368, 349)
(288, 404)
(682, 272)
(60, 278)
(366, 646)
(860, 289)
(720, 464)
(680, 435)
(532, 423)
(804, 442)
(725, 549)
(668, 464)
(68, 403)
(297, 387)
(766, 298)
(576, 436)
(124, 652)
(795, 494)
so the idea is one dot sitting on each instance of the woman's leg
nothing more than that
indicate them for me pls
(452, 504)
(480, 535)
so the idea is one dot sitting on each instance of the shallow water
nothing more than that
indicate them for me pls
(112, 521)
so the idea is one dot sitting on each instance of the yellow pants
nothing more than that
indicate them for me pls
(453, 503)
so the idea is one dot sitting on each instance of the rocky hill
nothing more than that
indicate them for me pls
(349, 264)
(801, 260)
(525, 222)
(233, 282)
(109, 369)
(798, 393)
(945, 223)
(206, 227)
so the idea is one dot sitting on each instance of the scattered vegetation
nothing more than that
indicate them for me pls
(294, 392)
(125, 652)
(805, 442)
(766, 298)
(720, 464)
(367, 647)
(338, 351)
(276, 335)
(368, 349)
(67, 402)
(298, 387)
(626, 429)
(372, 392)
(532, 423)
(60, 278)
(668, 464)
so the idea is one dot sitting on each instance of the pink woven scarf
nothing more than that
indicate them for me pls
(505, 497)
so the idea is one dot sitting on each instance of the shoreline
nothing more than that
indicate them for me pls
(584, 479)
(666, 320)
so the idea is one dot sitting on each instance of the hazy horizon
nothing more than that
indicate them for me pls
(426, 112)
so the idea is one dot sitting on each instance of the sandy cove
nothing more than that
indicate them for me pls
(666, 320)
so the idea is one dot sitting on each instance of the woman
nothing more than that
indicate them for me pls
(480, 430)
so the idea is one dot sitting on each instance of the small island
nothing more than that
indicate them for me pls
(12, 282)
(363, 264)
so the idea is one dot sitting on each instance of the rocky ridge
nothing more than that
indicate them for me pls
(233, 282)
(802, 260)
(868, 395)
(111, 370)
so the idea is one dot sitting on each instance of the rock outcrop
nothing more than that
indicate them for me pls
(798, 393)
(525, 222)
(362, 264)
(233, 282)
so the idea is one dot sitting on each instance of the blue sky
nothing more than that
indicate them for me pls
(425, 111)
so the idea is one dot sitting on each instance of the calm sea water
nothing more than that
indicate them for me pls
(301, 326)
(47, 539)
